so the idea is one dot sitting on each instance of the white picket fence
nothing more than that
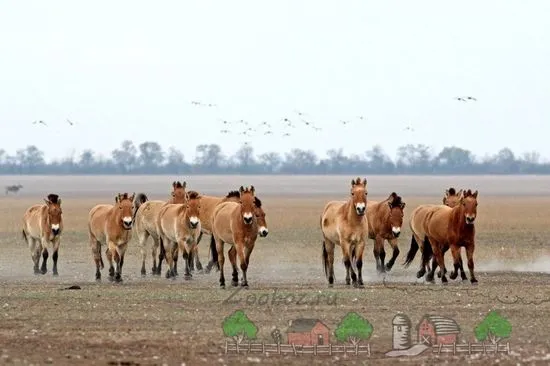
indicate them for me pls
(329, 349)
(470, 348)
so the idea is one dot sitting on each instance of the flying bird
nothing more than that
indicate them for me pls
(224, 131)
(471, 98)
(344, 122)
(268, 133)
(361, 117)
(42, 122)
(409, 128)
(286, 134)
(69, 122)
(461, 99)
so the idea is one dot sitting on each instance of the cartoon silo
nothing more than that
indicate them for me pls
(401, 335)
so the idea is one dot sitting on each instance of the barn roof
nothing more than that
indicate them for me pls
(442, 324)
(303, 325)
(401, 319)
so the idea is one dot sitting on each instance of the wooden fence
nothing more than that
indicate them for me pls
(329, 349)
(485, 348)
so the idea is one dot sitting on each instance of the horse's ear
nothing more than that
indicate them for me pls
(466, 193)
(446, 193)
(59, 201)
(47, 201)
(364, 181)
(252, 190)
(173, 193)
(353, 182)
(390, 204)
(460, 193)
(184, 184)
(402, 205)
(133, 196)
(241, 189)
(174, 184)
(474, 194)
(116, 198)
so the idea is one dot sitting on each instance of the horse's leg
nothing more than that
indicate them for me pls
(142, 241)
(44, 245)
(445, 249)
(221, 260)
(161, 256)
(328, 254)
(438, 254)
(34, 246)
(120, 251)
(232, 254)
(359, 249)
(198, 264)
(395, 253)
(347, 261)
(186, 255)
(242, 259)
(470, 255)
(109, 255)
(461, 268)
(175, 255)
(168, 254)
(117, 259)
(455, 252)
(55, 254)
(378, 242)
(247, 253)
(96, 252)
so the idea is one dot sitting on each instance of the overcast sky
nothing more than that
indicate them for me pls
(130, 69)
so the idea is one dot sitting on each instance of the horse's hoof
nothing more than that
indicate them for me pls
(444, 279)
(37, 272)
(453, 275)
(420, 274)
(330, 285)
(388, 268)
(143, 272)
(222, 286)
(244, 284)
(358, 285)
(55, 273)
(168, 274)
(234, 283)
(199, 267)
(43, 271)
(474, 281)
(118, 279)
(187, 277)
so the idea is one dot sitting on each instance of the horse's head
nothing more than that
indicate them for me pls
(140, 199)
(192, 209)
(248, 207)
(359, 195)
(54, 212)
(396, 213)
(469, 204)
(178, 193)
(260, 217)
(124, 203)
(452, 197)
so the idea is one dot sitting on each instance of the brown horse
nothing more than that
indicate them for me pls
(385, 220)
(111, 225)
(451, 197)
(453, 228)
(146, 226)
(419, 240)
(345, 223)
(43, 225)
(236, 224)
(178, 227)
(232, 196)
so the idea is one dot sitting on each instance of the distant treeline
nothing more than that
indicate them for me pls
(151, 158)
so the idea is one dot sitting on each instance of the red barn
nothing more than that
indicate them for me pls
(307, 332)
(435, 329)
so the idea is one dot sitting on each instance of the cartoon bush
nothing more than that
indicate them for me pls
(239, 327)
(494, 326)
(353, 328)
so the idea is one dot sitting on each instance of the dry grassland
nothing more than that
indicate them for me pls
(153, 320)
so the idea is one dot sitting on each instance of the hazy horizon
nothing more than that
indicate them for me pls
(129, 70)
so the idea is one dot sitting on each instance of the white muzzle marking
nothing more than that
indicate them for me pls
(360, 207)
(55, 226)
(263, 231)
(248, 217)
(194, 220)
(127, 220)
(396, 230)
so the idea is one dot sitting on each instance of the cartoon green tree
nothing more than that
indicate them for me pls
(353, 328)
(494, 326)
(239, 327)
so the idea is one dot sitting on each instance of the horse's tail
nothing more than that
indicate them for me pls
(353, 257)
(325, 258)
(162, 251)
(138, 201)
(427, 252)
(412, 252)
(24, 234)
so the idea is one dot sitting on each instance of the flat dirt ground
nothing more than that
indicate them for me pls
(151, 320)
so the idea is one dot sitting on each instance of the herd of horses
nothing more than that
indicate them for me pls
(238, 219)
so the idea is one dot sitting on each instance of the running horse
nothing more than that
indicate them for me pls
(450, 228)
(111, 225)
(208, 203)
(345, 223)
(236, 224)
(146, 226)
(178, 227)
(385, 220)
(43, 226)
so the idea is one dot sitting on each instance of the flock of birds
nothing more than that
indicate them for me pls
(247, 129)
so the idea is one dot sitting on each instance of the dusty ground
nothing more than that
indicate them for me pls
(152, 320)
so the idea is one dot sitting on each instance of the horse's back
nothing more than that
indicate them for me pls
(208, 205)
(437, 221)
(374, 217)
(330, 219)
(221, 220)
(146, 216)
(97, 218)
(32, 220)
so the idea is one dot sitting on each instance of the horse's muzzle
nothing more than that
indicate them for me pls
(55, 232)
(470, 220)
(247, 220)
(263, 232)
(193, 225)
(127, 225)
